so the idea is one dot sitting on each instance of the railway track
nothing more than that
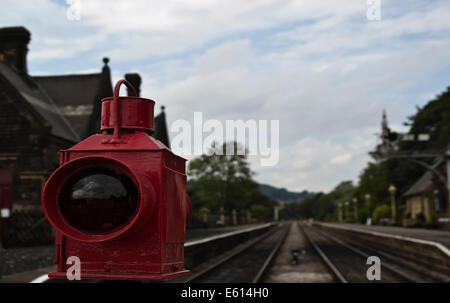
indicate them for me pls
(296, 252)
(247, 264)
(348, 263)
(264, 247)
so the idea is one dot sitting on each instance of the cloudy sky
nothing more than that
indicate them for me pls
(319, 67)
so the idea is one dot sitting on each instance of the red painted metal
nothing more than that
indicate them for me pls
(149, 245)
(126, 113)
(6, 180)
(5, 188)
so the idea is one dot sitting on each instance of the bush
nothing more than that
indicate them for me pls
(382, 211)
(260, 212)
(330, 218)
(432, 221)
(420, 218)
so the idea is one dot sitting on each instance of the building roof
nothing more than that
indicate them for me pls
(66, 102)
(422, 185)
(75, 96)
(32, 92)
(160, 126)
(69, 104)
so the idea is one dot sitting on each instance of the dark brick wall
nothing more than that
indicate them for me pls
(29, 150)
(26, 147)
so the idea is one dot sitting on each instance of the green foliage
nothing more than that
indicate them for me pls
(260, 212)
(432, 119)
(433, 219)
(420, 219)
(264, 205)
(218, 180)
(283, 194)
(380, 212)
(324, 206)
(288, 212)
(376, 178)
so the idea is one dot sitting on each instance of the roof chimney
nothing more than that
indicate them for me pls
(135, 80)
(14, 47)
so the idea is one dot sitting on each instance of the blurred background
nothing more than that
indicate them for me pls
(360, 90)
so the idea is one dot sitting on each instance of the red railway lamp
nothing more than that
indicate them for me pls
(118, 200)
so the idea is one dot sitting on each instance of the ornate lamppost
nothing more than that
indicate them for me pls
(347, 213)
(367, 197)
(355, 205)
(392, 190)
(222, 215)
(369, 215)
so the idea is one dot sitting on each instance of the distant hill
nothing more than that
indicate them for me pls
(283, 194)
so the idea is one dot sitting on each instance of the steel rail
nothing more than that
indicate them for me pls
(366, 255)
(239, 251)
(265, 266)
(323, 256)
(44, 278)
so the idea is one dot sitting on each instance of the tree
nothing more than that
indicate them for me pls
(376, 178)
(432, 119)
(324, 206)
(380, 212)
(217, 179)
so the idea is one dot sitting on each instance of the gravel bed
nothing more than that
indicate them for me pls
(243, 267)
(15, 260)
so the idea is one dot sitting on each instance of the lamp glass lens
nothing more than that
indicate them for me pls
(98, 200)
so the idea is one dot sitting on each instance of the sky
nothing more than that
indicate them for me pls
(321, 68)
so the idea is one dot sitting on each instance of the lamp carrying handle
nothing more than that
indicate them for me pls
(116, 105)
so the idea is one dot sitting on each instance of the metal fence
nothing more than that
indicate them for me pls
(213, 220)
(26, 228)
(30, 227)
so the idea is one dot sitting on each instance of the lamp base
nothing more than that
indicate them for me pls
(124, 276)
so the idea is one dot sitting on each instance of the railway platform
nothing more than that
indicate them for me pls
(299, 252)
(22, 265)
(439, 236)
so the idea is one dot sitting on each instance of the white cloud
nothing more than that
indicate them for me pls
(319, 67)
(318, 165)
(341, 159)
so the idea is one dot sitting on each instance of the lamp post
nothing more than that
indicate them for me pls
(355, 204)
(392, 190)
(346, 203)
(234, 216)
(369, 215)
(222, 216)
(204, 212)
(367, 197)
(340, 212)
